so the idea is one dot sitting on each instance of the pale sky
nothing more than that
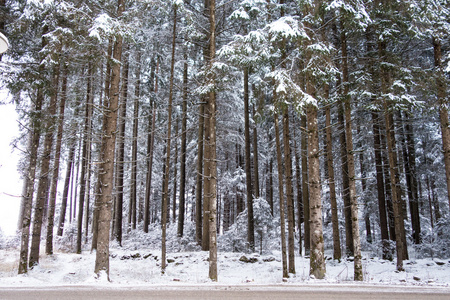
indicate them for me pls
(10, 182)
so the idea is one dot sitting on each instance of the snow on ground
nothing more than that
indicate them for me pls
(142, 268)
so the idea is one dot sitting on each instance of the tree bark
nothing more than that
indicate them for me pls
(298, 184)
(42, 192)
(65, 193)
(55, 175)
(281, 193)
(150, 146)
(317, 258)
(199, 181)
(149, 171)
(182, 204)
(248, 173)
(84, 160)
(414, 206)
(175, 175)
(289, 192)
(99, 171)
(210, 150)
(255, 158)
(305, 186)
(133, 183)
(392, 154)
(443, 109)
(28, 189)
(351, 164)
(118, 216)
(169, 137)
(106, 167)
(332, 185)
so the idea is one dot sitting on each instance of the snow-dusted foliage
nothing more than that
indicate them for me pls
(378, 55)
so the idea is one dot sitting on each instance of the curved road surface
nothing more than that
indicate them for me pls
(347, 292)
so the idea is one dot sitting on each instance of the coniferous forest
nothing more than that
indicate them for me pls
(232, 125)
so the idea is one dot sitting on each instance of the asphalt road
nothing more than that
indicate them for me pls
(347, 292)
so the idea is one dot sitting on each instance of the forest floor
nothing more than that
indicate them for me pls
(142, 268)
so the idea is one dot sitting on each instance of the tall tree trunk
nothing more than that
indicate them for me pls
(65, 193)
(175, 174)
(367, 201)
(106, 167)
(42, 192)
(443, 110)
(289, 192)
(98, 186)
(150, 146)
(281, 194)
(380, 187)
(149, 171)
(317, 258)
(298, 185)
(118, 216)
(133, 183)
(255, 158)
(332, 185)
(392, 154)
(210, 150)
(84, 159)
(345, 183)
(182, 204)
(414, 205)
(169, 137)
(55, 175)
(30, 175)
(305, 185)
(199, 180)
(248, 173)
(351, 163)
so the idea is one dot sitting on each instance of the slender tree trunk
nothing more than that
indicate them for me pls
(281, 194)
(255, 158)
(118, 216)
(210, 150)
(270, 181)
(28, 190)
(99, 171)
(42, 192)
(298, 184)
(175, 175)
(392, 153)
(133, 183)
(305, 186)
(332, 186)
(169, 137)
(351, 164)
(55, 175)
(248, 173)
(443, 109)
(289, 192)
(150, 146)
(199, 181)
(84, 160)
(182, 204)
(65, 193)
(106, 167)
(414, 205)
(345, 183)
(149, 171)
(380, 187)
(317, 258)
